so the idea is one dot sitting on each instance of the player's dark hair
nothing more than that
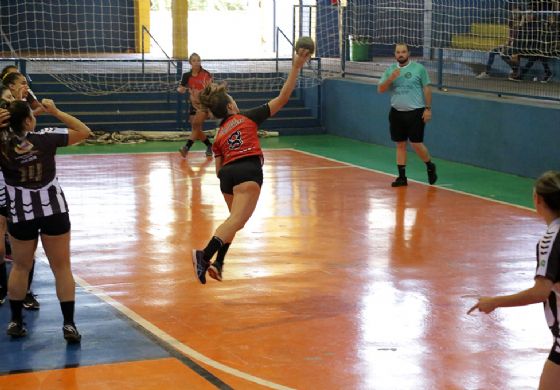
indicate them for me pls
(6, 70)
(215, 98)
(3, 88)
(10, 78)
(12, 135)
(192, 56)
(548, 187)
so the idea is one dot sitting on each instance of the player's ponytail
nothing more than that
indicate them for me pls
(14, 133)
(548, 187)
(215, 98)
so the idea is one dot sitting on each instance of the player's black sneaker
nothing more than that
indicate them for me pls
(209, 151)
(400, 182)
(30, 303)
(16, 329)
(71, 334)
(432, 175)
(215, 271)
(200, 265)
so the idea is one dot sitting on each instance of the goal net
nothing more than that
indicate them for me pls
(97, 47)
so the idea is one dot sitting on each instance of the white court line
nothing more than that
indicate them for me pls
(170, 340)
(442, 187)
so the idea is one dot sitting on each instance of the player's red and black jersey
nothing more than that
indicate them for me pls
(32, 188)
(237, 136)
(196, 83)
(548, 266)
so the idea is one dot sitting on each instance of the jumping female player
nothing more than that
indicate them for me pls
(239, 160)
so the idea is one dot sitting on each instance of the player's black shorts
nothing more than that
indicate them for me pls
(53, 225)
(407, 125)
(4, 211)
(554, 355)
(240, 171)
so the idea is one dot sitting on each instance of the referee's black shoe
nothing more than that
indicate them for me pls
(432, 175)
(399, 182)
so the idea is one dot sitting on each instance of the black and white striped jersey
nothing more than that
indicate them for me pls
(548, 266)
(29, 170)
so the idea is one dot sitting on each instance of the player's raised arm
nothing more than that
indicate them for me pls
(77, 130)
(299, 60)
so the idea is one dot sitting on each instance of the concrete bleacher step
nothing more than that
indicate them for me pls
(157, 111)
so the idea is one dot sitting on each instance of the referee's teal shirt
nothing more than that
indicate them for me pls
(407, 90)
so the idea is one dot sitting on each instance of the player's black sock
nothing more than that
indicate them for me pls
(189, 144)
(222, 254)
(30, 276)
(68, 312)
(402, 170)
(3, 281)
(429, 164)
(213, 246)
(207, 142)
(16, 308)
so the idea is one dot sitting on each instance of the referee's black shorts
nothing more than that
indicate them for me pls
(240, 171)
(407, 125)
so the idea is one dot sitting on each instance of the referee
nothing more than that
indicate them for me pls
(411, 109)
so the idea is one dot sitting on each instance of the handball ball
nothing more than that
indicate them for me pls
(305, 43)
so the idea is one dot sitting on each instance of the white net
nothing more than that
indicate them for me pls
(530, 28)
(93, 47)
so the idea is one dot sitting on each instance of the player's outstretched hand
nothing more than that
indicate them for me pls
(484, 304)
(301, 57)
(49, 106)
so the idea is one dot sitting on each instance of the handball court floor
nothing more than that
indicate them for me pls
(338, 281)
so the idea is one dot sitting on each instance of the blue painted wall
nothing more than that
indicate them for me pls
(100, 26)
(496, 133)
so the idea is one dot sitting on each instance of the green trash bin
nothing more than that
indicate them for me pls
(359, 48)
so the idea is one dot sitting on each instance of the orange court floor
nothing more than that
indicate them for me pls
(338, 281)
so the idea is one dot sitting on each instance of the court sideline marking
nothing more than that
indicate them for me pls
(441, 187)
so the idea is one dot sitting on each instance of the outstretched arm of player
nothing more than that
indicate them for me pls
(280, 101)
(77, 130)
(536, 294)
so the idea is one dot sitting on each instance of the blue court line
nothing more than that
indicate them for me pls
(107, 336)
